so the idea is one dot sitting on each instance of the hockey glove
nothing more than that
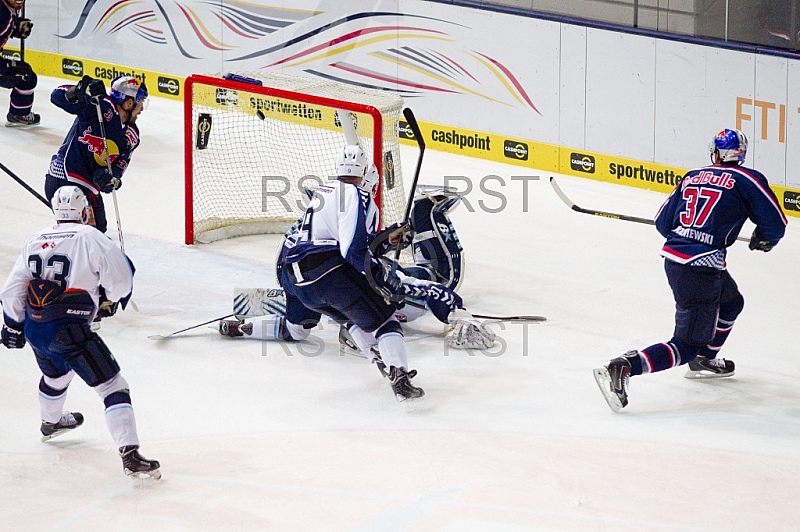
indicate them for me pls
(757, 242)
(398, 235)
(106, 181)
(441, 301)
(13, 335)
(87, 88)
(23, 29)
(105, 308)
(382, 276)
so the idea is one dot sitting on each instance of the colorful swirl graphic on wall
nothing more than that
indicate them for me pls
(408, 54)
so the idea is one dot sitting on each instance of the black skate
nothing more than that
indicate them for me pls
(710, 368)
(400, 380)
(69, 421)
(136, 465)
(30, 119)
(613, 380)
(234, 328)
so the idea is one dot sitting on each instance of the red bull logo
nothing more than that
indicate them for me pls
(96, 146)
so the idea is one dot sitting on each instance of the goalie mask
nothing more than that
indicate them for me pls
(351, 162)
(731, 145)
(70, 205)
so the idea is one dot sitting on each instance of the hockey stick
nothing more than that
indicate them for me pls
(25, 185)
(529, 318)
(168, 336)
(114, 190)
(412, 123)
(108, 168)
(22, 41)
(604, 214)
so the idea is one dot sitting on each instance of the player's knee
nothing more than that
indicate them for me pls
(114, 391)
(696, 326)
(389, 326)
(55, 386)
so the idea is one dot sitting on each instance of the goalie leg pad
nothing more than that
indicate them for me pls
(436, 244)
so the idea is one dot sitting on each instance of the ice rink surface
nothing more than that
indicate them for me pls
(256, 436)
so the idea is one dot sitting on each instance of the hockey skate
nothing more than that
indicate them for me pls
(400, 380)
(234, 328)
(613, 379)
(69, 421)
(710, 368)
(30, 119)
(136, 465)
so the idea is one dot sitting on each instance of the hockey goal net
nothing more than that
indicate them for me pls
(251, 149)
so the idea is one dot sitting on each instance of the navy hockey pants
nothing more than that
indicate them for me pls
(345, 295)
(64, 345)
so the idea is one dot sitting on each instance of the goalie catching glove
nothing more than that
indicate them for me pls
(469, 332)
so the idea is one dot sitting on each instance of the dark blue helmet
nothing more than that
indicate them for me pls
(123, 87)
(731, 145)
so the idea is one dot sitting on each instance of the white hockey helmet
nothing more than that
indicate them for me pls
(70, 205)
(351, 161)
(371, 179)
(123, 87)
(731, 145)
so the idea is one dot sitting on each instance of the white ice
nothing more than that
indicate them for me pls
(256, 436)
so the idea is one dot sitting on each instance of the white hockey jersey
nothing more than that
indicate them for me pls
(341, 217)
(75, 256)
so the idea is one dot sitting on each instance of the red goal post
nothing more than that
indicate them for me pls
(249, 149)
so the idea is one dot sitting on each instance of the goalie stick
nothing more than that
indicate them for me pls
(262, 301)
(624, 217)
(412, 123)
(168, 336)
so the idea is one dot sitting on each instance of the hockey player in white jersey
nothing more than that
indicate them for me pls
(66, 274)
(335, 269)
(277, 314)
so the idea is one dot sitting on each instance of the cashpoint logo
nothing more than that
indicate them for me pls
(169, 86)
(791, 201)
(72, 67)
(11, 55)
(405, 131)
(581, 163)
(514, 149)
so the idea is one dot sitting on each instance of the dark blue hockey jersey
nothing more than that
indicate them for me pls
(8, 21)
(82, 152)
(706, 211)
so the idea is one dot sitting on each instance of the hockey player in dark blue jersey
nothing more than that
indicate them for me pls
(17, 75)
(81, 159)
(700, 219)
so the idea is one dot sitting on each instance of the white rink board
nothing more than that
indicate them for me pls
(590, 89)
